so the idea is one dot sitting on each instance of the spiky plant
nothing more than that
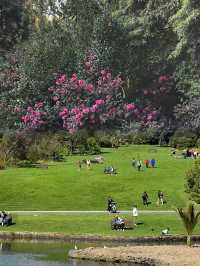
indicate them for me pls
(190, 219)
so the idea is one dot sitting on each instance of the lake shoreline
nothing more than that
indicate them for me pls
(172, 239)
(165, 255)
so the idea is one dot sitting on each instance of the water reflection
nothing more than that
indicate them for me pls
(42, 254)
(5, 246)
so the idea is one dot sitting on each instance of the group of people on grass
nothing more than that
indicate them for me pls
(191, 153)
(160, 198)
(5, 218)
(110, 169)
(97, 160)
(118, 223)
(187, 153)
(148, 163)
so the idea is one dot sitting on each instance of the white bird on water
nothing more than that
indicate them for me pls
(104, 247)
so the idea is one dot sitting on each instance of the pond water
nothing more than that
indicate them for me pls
(43, 254)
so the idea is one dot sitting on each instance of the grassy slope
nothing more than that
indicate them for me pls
(64, 187)
(97, 225)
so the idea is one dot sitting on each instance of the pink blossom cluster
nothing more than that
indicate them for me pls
(77, 103)
(34, 118)
(81, 103)
(130, 107)
(163, 78)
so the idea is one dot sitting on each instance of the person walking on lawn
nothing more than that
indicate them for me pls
(153, 163)
(147, 163)
(160, 198)
(139, 165)
(145, 198)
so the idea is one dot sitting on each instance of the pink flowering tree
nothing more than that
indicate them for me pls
(94, 102)
(76, 103)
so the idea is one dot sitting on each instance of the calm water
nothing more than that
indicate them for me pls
(42, 254)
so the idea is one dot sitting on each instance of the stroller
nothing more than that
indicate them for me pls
(112, 207)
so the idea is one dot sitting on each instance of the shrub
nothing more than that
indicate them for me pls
(33, 153)
(193, 182)
(5, 155)
(2, 163)
(137, 138)
(34, 146)
(104, 138)
(198, 143)
(92, 146)
(183, 138)
(105, 142)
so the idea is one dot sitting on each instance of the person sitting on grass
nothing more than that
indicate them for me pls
(165, 232)
(119, 223)
(6, 218)
(110, 170)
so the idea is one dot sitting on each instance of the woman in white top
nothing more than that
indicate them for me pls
(135, 215)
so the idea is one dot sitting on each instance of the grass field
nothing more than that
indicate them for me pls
(151, 225)
(63, 187)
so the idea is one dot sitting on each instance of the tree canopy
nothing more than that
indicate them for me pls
(152, 44)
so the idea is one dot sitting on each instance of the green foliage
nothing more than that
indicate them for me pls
(92, 146)
(13, 23)
(33, 146)
(49, 51)
(137, 138)
(146, 23)
(2, 160)
(183, 138)
(190, 219)
(109, 138)
(82, 143)
(198, 143)
(142, 39)
(193, 182)
(186, 25)
(33, 153)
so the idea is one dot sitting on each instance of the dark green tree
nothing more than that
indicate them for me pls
(47, 53)
(13, 23)
(193, 182)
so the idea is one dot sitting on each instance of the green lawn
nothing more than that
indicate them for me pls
(151, 225)
(64, 187)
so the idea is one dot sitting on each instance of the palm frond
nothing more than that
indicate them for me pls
(189, 217)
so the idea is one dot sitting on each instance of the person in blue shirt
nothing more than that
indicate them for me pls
(153, 163)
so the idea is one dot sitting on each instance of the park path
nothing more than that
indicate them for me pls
(165, 212)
